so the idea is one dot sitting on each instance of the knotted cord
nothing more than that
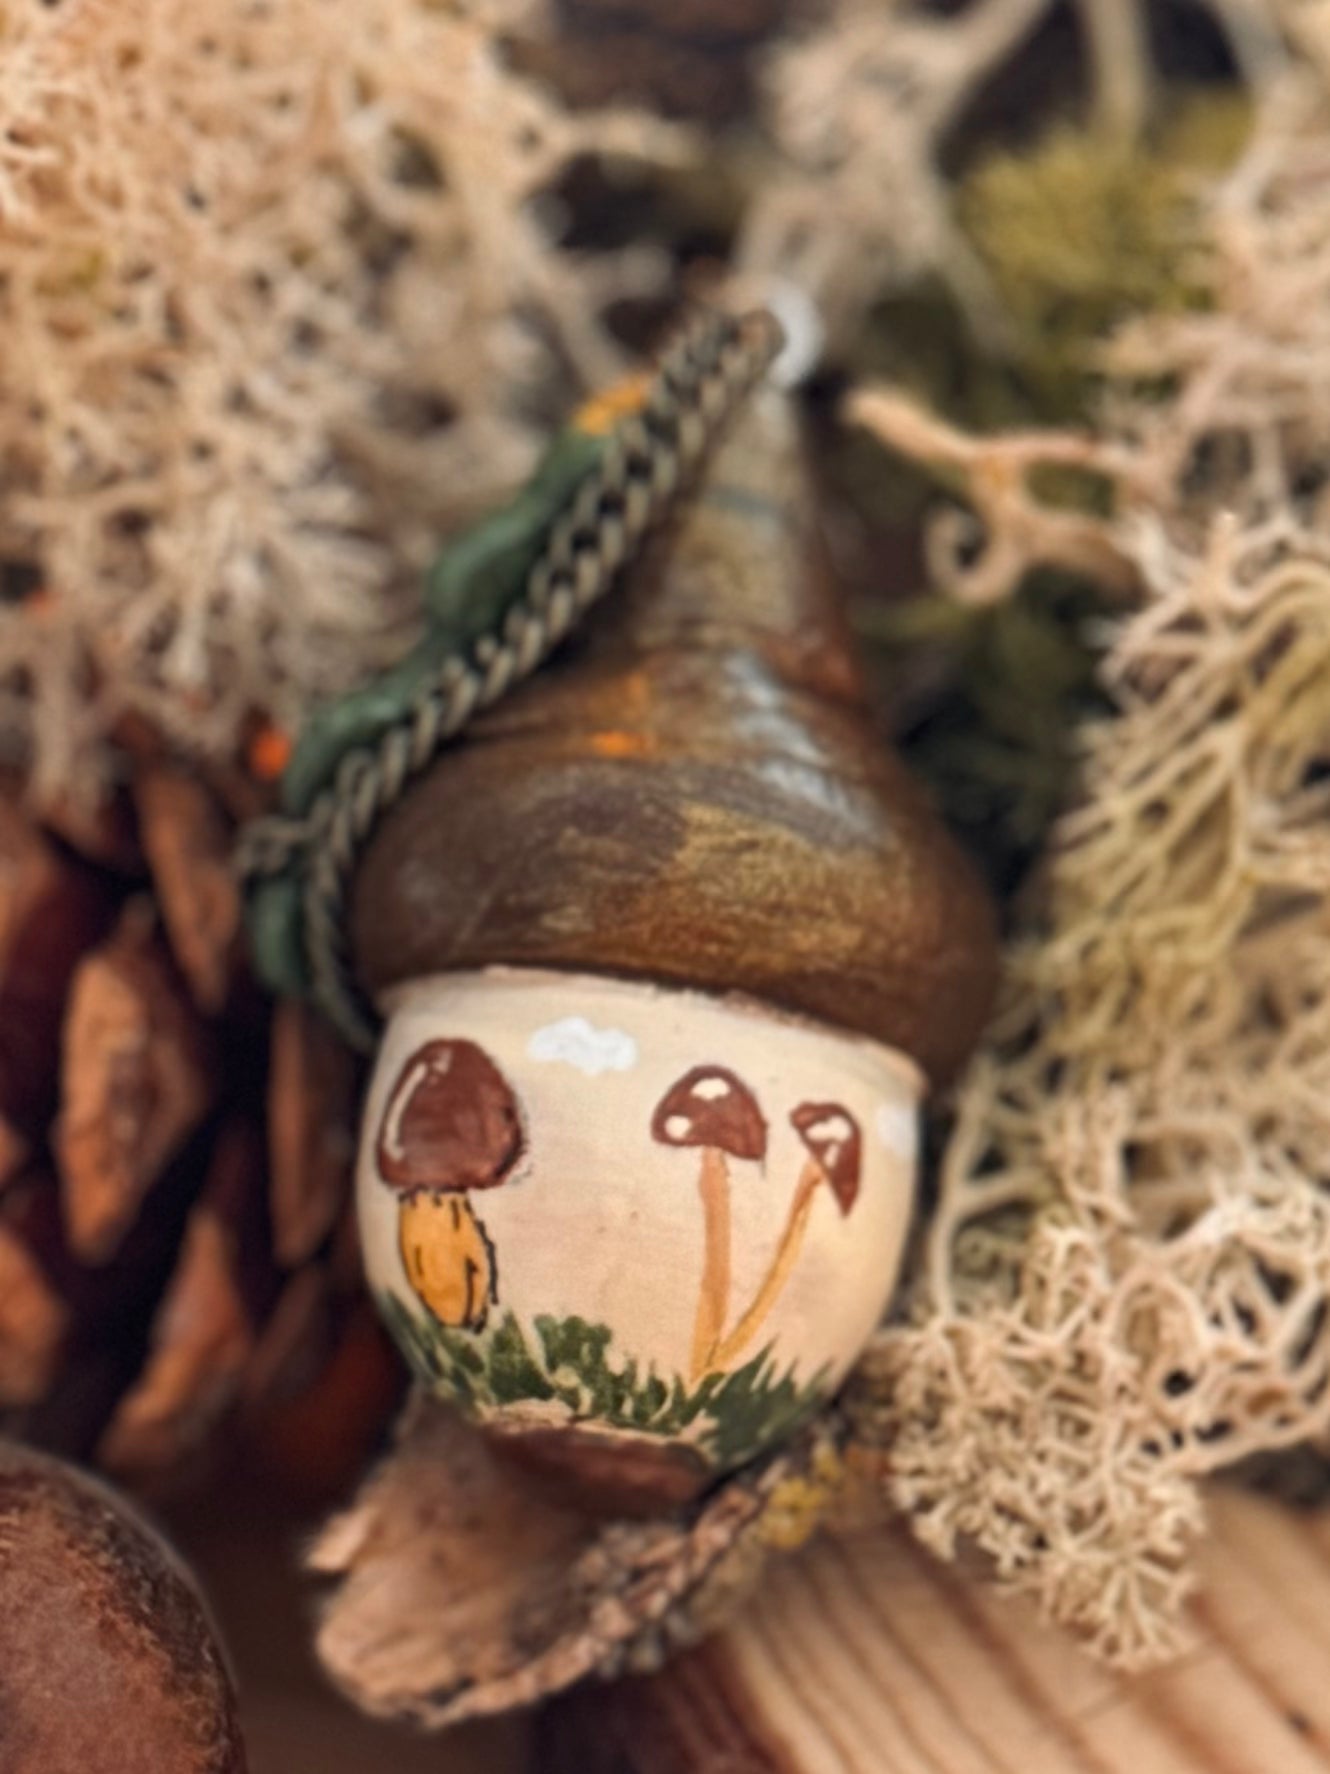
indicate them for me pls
(701, 379)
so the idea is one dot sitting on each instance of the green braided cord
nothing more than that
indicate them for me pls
(299, 866)
(468, 592)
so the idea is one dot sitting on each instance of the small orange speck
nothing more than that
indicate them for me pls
(621, 745)
(269, 753)
(603, 411)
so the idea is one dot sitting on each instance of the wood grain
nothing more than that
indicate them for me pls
(867, 1657)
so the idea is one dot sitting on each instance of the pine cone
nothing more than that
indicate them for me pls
(178, 1259)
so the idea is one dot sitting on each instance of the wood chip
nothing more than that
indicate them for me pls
(135, 1083)
(188, 843)
(465, 1590)
(313, 1099)
(436, 1558)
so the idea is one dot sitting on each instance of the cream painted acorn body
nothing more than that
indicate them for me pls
(668, 949)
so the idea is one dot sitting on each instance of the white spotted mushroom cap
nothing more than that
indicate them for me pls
(831, 1135)
(711, 1106)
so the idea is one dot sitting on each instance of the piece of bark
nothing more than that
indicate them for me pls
(51, 910)
(203, 1333)
(135, 1083)
(465, 1591)
(188, 843)
(436, 1560)
(312, 1102)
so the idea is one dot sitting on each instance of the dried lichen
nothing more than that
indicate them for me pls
(1127, 1280)
(278, 309)
(284, 304)
(856, 203)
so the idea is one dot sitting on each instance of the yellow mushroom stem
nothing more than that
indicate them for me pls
(448, 1258)
(778, 1274)
(713, 1185)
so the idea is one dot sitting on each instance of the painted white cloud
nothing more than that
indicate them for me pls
(576, 1042)
(898, 1128)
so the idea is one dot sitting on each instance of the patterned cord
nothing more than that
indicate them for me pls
(701, 380)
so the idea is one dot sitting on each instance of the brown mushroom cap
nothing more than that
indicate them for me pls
(710, 1106)
(451, 1122)
(831, 1134)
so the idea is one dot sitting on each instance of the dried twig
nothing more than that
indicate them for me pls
(1020, 531)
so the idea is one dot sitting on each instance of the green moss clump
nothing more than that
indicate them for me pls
(1079, 233)
(996, 743)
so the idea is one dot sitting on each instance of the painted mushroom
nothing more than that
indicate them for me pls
(451, 1125)
(830, 1135)
(711, 1108)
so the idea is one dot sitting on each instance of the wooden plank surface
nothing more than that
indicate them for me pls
(867, 1657)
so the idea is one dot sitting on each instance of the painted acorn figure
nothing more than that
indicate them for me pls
(667, 947)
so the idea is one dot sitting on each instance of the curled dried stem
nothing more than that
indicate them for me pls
(1021, 531)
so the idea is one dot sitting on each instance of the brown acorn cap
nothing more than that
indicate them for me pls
(107, 1658)
(693, 794)
(451, 1122)
(710, 1106)
(831, 1134)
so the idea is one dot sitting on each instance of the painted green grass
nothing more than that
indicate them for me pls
(570, 1362)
